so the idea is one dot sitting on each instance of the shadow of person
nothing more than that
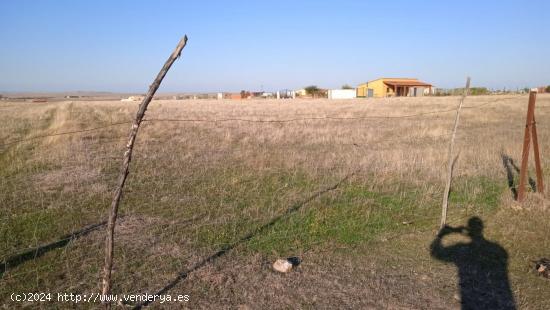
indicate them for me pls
(482, 267)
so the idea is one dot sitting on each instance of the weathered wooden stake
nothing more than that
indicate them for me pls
(109, 240)
(450, 160)
(530, 133)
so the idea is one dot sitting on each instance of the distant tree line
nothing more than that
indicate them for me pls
(245, 94)
(474, 91)
(312, 90)
(485, 91)
(315, 91)
(479, 91)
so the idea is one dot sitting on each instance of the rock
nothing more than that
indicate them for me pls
(282, 265)
(543, 267)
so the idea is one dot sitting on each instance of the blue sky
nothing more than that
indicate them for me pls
(120, 45)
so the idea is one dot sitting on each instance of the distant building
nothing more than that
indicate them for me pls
(430, 91)
(301, 92)
(341, 94)
(234, 96)
(393, 87)
(132, 98)
(286, 94)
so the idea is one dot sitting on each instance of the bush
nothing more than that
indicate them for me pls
(312, 90)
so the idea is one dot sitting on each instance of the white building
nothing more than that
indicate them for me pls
(342, 94)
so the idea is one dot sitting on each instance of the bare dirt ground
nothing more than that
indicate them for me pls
(220, 189)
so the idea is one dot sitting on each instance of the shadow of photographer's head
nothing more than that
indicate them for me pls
(475, 227)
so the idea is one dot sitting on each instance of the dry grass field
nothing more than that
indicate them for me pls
(220, 189)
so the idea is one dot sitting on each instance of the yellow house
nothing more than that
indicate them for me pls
(392, 87)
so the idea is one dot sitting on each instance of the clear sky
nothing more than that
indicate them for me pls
(120, 45)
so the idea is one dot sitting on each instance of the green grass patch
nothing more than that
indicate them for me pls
(356, 214)
(477, 192)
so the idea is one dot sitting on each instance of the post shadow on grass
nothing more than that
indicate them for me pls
(225, 249)
(482, 267)
(30, 254)
(510, 167)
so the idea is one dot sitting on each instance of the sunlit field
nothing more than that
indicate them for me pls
(218, 190)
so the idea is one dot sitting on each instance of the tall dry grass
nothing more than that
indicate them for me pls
(411, 147)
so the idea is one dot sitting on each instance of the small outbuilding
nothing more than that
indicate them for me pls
(393, 87)
(341, 94)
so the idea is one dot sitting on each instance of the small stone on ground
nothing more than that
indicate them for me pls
(282, 265)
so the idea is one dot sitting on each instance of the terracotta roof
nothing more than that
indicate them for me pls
(406, 83)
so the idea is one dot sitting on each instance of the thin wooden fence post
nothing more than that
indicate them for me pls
(109, 240)
(530, 132)
(451, 161)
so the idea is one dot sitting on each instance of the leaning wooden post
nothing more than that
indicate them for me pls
(530, 131)
(109, 240)
(450, 161)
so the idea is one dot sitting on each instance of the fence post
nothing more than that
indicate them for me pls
(530, 132)
(109, 240)
(450, 160)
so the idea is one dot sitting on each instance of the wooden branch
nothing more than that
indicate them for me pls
(450, 165)
(109, 241)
